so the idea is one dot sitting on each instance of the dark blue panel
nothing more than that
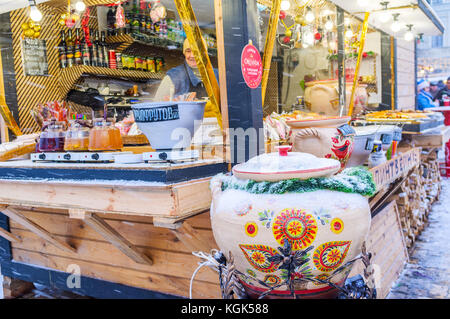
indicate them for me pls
(5, 245)
(89, 286)
(240, 18)
(162, 176)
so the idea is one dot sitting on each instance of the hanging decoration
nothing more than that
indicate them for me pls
(70, 17)
(31, 29)
(158, 11)
(85, 26)
(120, 17)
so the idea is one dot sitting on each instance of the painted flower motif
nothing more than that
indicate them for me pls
(259, 256)
(323, 215)
(322, 277)
(337, 225)
(295, 226)
(331, 255)
(272, 280)
(266, 217)
(242, 209)
(251, 273)
(251, 229)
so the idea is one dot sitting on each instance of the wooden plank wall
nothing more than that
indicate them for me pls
(388, 248)
(405, 78)
(32, 90)
(170, 273)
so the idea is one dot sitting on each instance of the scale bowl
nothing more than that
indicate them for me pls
(169, 125)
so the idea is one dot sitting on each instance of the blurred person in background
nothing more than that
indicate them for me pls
(434, 89)
(424, 98)
(443, 94)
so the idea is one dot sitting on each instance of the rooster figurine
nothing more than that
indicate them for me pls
(342, 152)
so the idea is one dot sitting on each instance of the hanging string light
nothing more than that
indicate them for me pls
(396, 26)
(384, 16)
(349, 32)
(285, 5)
(35, 14)
(409, 35)
(80, 6)
(329, 24)
(309, 15)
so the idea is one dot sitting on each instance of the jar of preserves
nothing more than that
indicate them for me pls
(52, 138)
(77, 138)
(105, 136)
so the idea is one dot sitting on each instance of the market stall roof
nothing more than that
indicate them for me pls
(416, 12)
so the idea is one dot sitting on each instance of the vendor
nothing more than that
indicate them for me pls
(424, 98)
(445, 91)
(183, 79)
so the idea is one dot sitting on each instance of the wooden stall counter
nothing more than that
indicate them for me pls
(131, 227)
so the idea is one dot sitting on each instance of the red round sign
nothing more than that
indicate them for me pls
(251, 66)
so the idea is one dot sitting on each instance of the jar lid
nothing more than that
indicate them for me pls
(284, 165)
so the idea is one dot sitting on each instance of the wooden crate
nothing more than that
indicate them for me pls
(388, 248)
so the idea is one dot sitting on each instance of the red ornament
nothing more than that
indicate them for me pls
(286, 40)
(282, 15)
(317, 36)
(365, 55)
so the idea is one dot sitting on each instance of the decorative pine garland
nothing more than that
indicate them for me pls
(352, 180)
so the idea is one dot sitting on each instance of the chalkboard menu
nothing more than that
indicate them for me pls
(34, 54)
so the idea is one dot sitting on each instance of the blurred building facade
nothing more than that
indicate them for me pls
(433, 52)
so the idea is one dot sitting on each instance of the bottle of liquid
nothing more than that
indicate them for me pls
(86, 54)
(99, 49)
(104, 47)
(94, 52)
(70, 49)
(135, 24)
(77, 46)
(62, 50)
(110, 19)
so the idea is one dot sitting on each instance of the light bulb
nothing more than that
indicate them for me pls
(308, 38)
(80, 6)
(409, 36)
(329, 24)
(309, 16)
(347, 21)
(396, 26)
(349, 33)
(363, 3)
(384, 17)
(285, 5)
(35, 14)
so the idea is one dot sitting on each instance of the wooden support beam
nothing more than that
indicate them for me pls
(35, 228)
(117, 240)
(191, 238)
(8, 236)
(13, 288)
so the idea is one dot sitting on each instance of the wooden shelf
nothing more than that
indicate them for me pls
(126, 40)
(70, 76)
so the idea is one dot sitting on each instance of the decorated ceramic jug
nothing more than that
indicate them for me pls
(328, 138)
(290, 225)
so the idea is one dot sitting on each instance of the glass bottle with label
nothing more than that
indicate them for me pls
(62, 50)
(70, 49)
(77, 48)
(86, 55)
(104, 50)
(98, 48)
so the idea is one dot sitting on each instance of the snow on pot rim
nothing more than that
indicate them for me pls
(272, 167)
(169, 125)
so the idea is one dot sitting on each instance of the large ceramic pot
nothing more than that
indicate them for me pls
(323, 97)
(296, 239)
(328, 138)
